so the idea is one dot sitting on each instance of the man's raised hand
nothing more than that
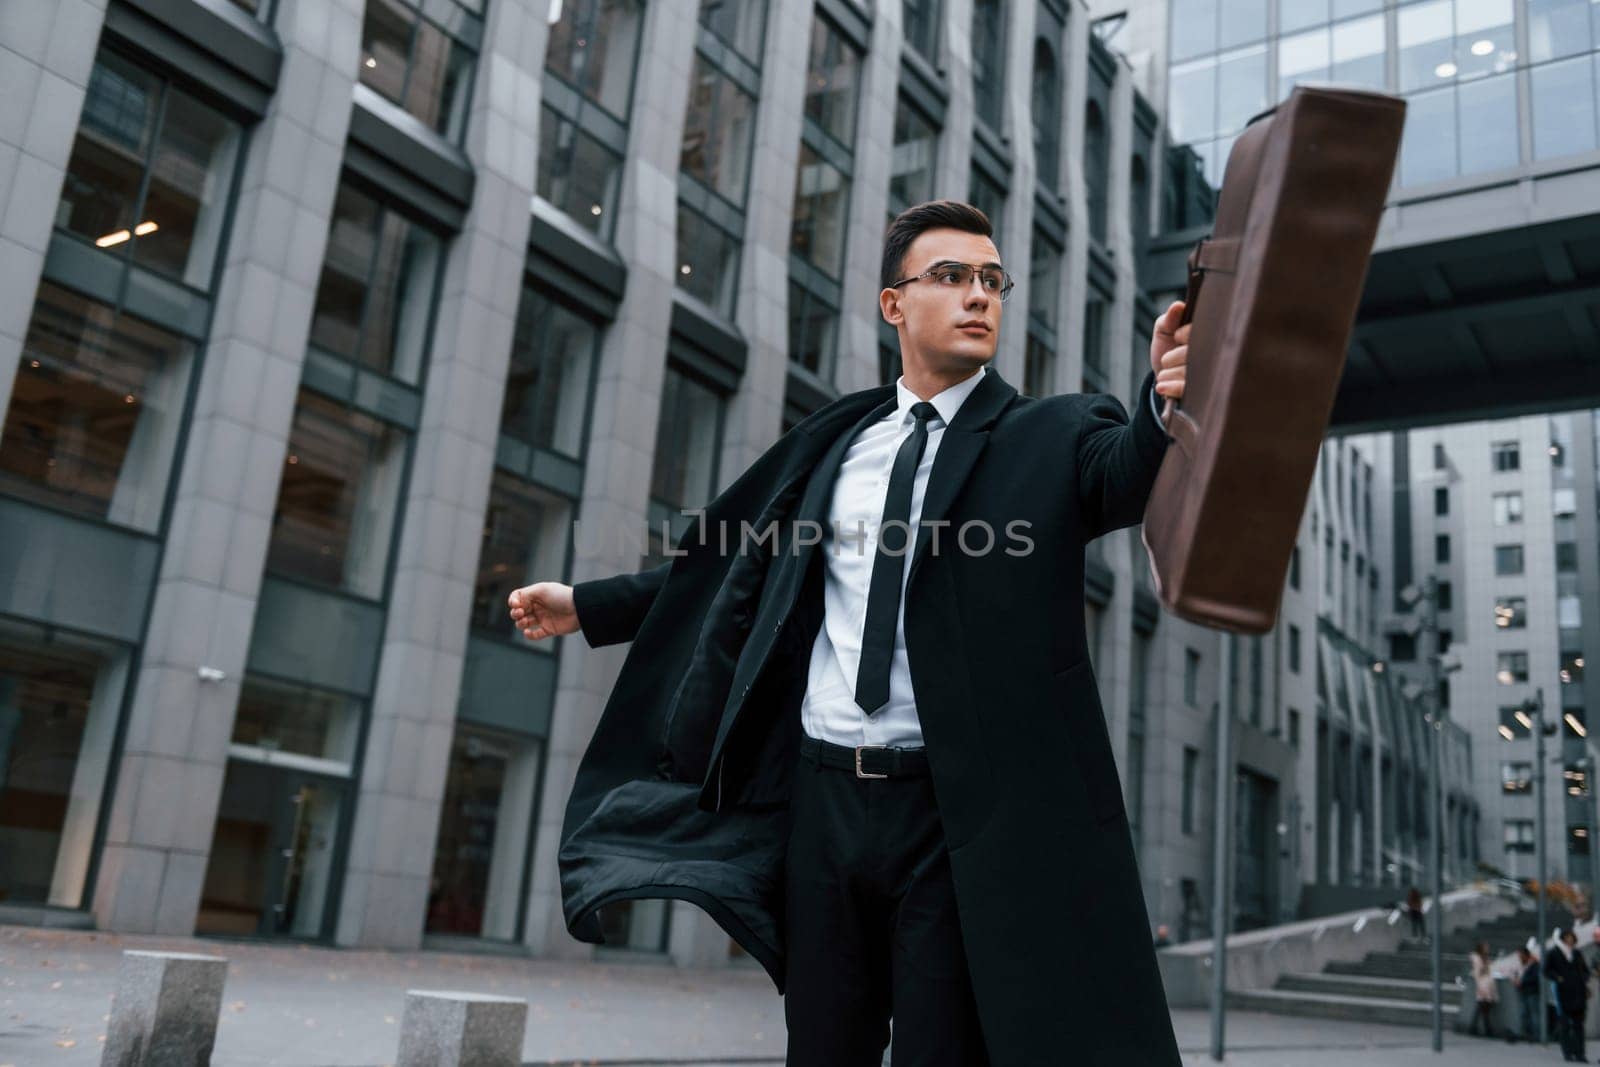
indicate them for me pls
(544, 609)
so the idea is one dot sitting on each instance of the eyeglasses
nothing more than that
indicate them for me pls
(996, 282)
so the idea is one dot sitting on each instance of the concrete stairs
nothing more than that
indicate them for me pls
(1392, 987)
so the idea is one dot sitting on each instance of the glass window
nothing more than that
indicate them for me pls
(578, 174)
(594, 47)
(1441, 548)
(279, 716)
(1441, 503)
(1191, 768)
(919, 20)
(988, 56)
(485, 824)
(1096, 169)
(1192, 101)
(1039, 367)
(1426, 42)
(717, 132)
(1571, 668)
(813, 330)
(1511, 612)
(1294, 648)
(1519, 835)
(1046, 113)
(708, 261)
(1516, 777)
(988, 197)
(1566, 557)
(740, 23)
(1485, 38)
(548, 384)
(916, 141)
(1298, 14)
(1094, 335)
(1303, 57)
(821, 206)
(1564, 107)
(412, 61)
(1514, 722)
(832, 83)
(96, 410)
(1505, 455)
(150, 172)
(1558, 28)
(1511, 667)
(1194, 29)
(1358, 52)
(1191, 678)
(1508, 559)
(375, 296)
(1242, 22)
(1044, 283)
(336, 507)
(60, 699)
(1507, 508)
(524, 540)
(684, 473)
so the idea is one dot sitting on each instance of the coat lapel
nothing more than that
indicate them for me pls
(963, 442)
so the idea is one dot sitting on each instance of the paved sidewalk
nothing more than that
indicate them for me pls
(317, 1007)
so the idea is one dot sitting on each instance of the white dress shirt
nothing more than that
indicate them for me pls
(829, 710)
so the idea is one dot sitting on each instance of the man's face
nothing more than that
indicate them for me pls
(947, 326)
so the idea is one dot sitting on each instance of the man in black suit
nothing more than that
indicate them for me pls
(881, 764)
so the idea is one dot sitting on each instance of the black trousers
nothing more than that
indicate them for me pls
(871, 929)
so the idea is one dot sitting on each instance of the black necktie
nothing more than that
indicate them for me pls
(888, 567)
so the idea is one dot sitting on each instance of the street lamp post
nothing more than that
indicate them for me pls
(1222, 850)
(1534, 709)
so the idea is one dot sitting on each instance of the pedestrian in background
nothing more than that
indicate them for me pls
(1528, 993)
(1163, 936)
(1565, 966)
(1487, 997)
(1414, 912)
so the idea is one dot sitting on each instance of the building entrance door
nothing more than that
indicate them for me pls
(273, 853)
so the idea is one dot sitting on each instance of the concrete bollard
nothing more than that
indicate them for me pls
(165, 1010)
(443, 1029)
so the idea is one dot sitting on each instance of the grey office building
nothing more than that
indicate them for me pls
(325, 324)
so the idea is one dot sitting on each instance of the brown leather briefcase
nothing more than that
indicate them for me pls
(1272, 295)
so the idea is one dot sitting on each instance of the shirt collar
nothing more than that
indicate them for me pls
(947, 403)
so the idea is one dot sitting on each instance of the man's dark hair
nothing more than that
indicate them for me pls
(914, 221)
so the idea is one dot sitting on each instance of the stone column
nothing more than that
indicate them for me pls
(414, 700)
(175, 750)
(616, 485)
(46, 54)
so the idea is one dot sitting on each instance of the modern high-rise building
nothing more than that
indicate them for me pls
(327, 323)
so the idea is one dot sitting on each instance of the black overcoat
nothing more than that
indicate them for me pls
(682, 792)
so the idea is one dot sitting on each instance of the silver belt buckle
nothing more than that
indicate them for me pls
(863, 774)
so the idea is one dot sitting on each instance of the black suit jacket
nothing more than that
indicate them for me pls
(683, 790)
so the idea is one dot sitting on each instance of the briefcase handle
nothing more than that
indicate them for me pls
(1208, 254)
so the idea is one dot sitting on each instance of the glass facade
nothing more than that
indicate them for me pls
(150, 172)
(96, 411)
(338, 498)
(481, 855)
(988, 61)
(60, 699)
(421, 56)
(591, 59)
(375, 297)
(913, 157)
(1457, 62)
(822, 197)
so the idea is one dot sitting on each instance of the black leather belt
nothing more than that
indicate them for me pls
(867, 761)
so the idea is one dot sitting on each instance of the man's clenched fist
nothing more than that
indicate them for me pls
(544, 609)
